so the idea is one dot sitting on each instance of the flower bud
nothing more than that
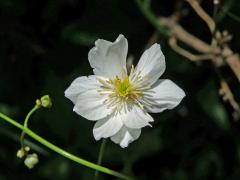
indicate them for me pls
(27, 148)
(38, 103)
(31, 160)
(20, 153)
(46, 101)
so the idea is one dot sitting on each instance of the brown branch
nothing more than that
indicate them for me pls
(227, 95)
(214, 52)
(184, 36)
(202, 14)
(218, 51)
(193, 57)
(192, 41)
(233, 62)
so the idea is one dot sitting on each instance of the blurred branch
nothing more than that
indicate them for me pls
(193, 57)
(227, 95)
(181, 34)
(202, 14)
(233, 61)
(218, 52)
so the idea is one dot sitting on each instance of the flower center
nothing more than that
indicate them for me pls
(125, 90)
(122, 92)
(122, 87)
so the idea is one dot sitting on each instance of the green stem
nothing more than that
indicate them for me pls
(233, 16)
(100, 157)
(151, 17)
(225, 7)
(63, 152)
(26, 123)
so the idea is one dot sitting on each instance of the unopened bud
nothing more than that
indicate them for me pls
(38, 103)
(46, 101)
(27, 148)
(20, 153)
(31, 160)
(23, 151)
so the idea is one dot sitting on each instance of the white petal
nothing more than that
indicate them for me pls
(108, 59)
(126, 136)
(151, 64)
(135, 117)
(91, 105)
(79, 85)
(164, 94)
(107, 127)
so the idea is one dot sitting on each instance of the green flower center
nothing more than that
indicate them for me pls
(122, 87)
(121, 91)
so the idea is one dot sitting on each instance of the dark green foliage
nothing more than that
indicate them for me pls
(44, 46)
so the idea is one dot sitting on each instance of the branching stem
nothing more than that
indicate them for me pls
(63, 152)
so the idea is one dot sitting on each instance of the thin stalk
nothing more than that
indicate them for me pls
(63, 152)
(26, 124)
(100, 157)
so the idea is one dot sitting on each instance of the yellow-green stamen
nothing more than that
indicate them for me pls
(122, 87)
(122, 91)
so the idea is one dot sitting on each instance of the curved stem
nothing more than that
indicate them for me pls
(100, 157)
(63, 152)
(26, 124)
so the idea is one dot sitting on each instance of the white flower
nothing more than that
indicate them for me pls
(120, 101)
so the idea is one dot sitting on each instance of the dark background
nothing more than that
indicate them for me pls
(44, 46)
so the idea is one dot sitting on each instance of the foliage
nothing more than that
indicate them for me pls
(44, 46)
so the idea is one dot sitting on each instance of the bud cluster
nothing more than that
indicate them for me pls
(31, 159)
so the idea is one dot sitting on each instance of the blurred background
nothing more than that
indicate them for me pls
(44, 46)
